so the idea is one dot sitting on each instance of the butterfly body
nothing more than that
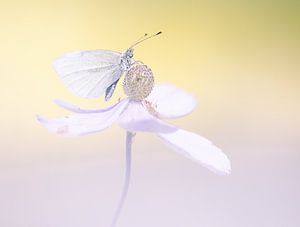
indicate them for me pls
(127, 59)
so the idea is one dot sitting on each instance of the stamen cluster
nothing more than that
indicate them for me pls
(138, 82)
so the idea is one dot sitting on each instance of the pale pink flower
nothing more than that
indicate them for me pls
(138, 114)
(164, 102)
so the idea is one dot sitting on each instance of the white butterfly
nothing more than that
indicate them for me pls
(91, 73)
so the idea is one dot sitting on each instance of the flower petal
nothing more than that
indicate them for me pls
(81, 124)
(136, 118)
(76, 109)
(171, 102)
(198, 149)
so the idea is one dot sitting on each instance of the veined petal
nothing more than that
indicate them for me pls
(85, 123)
(136, 118)
(171, 102)
(198, 149)
(76, 109)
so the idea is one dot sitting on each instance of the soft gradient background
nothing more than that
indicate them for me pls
(241, 59)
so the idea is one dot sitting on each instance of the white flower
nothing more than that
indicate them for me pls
(164, 102)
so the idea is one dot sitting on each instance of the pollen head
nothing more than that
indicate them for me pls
(138, 82)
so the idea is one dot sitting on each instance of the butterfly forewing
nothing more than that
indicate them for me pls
(89, 73)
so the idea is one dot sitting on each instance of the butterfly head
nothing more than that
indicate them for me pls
(129, 53)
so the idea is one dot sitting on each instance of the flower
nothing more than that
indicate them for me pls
(143, 111)
(145, 115)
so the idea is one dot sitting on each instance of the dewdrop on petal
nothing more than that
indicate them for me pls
(138, 82)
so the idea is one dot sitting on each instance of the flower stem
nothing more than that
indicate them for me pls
(129, 137)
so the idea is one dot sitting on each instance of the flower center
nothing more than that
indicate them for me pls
(138, 82)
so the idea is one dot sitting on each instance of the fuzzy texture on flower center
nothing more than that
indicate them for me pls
(138, 82)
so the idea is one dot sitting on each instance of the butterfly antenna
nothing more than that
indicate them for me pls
(139, 39)
(142, 39)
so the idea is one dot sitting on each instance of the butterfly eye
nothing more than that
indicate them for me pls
(130, 53)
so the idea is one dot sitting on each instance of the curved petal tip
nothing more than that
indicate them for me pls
(84, 123)
(198, 149)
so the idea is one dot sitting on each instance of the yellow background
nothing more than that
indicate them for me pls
(241, 59)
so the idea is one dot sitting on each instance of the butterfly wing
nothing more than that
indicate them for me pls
(89, 73)
(110, 90)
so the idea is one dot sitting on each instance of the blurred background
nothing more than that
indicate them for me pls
(241, 59)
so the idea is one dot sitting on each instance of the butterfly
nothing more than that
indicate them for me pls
(92, 73)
